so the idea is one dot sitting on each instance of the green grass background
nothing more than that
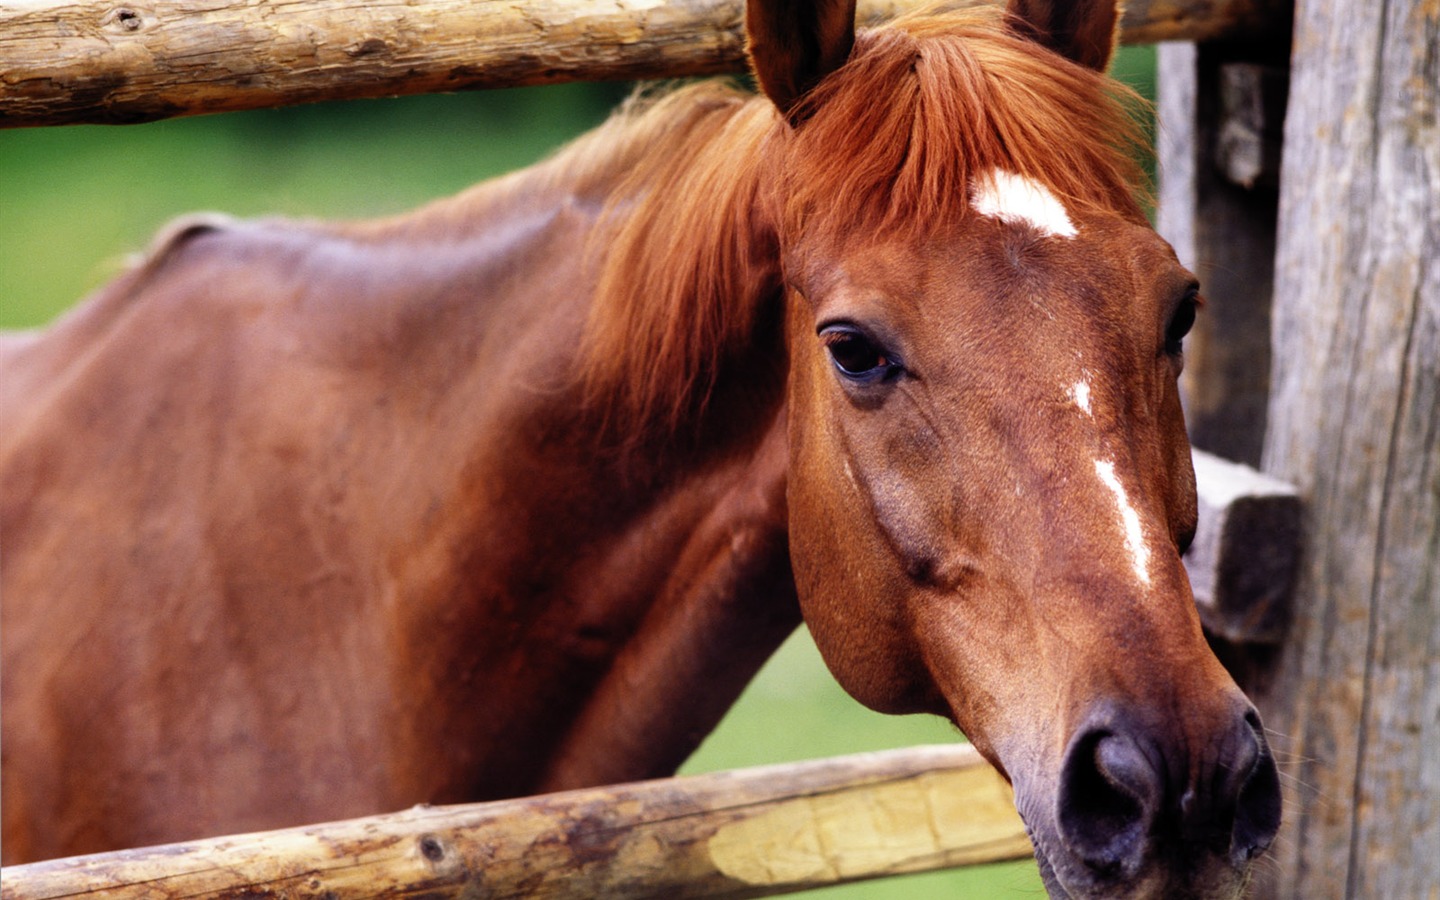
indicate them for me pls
(76, 201)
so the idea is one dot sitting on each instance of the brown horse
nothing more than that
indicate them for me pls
(514, 493)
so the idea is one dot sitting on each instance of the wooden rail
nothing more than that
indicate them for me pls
(117, 61)
(742, 833)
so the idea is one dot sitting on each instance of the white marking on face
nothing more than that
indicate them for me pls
(1021, 201)
(1129, 521)
(1080, 396)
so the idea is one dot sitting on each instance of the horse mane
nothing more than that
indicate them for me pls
(890, 143)
(684, 260)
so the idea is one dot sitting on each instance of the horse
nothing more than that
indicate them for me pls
(514, 493)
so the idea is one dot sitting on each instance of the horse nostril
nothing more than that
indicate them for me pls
(1257, 807)
(1109, 792)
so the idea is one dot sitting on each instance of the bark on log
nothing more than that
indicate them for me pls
(742, 833)
(1354, 699)
(68, 61)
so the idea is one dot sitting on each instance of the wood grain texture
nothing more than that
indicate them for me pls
(63, 61)
(1246, 551)
(1355, 424)
(741, 833)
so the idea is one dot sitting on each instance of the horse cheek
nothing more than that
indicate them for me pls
(850, 589)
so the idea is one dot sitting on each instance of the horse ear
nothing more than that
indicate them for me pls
(1084, 31)
(795, 43)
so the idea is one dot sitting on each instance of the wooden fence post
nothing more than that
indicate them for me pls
(1354, 421)
(1220, 108)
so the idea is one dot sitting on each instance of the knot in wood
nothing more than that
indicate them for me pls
(432, 848)
(126, 20)
(367, 47)
(123, 20)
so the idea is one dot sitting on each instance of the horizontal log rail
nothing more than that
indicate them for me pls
(742, 833)
(118, 61)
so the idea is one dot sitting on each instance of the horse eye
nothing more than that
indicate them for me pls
(1181, 323)
(855, 355)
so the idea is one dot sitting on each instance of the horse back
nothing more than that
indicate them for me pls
(215, 474)
(304, 522)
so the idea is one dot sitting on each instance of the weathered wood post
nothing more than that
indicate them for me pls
(1220, 106)
(1353, 700)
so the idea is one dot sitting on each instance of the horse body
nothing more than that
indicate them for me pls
(516, 492)
(320, 486)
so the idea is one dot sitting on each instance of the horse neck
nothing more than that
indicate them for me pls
(673, 316)
(641, 533)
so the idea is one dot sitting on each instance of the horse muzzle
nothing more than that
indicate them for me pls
(1141, 812)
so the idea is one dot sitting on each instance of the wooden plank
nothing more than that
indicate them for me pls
(1243, 561)
(1252, 123)
(1225, 233)
(741, 833)
(70, 61)
(1353, 702)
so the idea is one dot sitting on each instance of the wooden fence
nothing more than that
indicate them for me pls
(1319, 360)
(743, 833)
(1332, 263)
(69, 61)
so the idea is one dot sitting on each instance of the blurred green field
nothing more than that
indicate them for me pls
(75, 201)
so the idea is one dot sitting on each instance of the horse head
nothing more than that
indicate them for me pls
(990, 482)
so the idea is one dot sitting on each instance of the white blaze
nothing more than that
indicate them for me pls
(1080, 394)
(1021, 201)
(1129, 521)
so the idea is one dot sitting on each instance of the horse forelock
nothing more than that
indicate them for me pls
(896, 139)
(712, 181)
